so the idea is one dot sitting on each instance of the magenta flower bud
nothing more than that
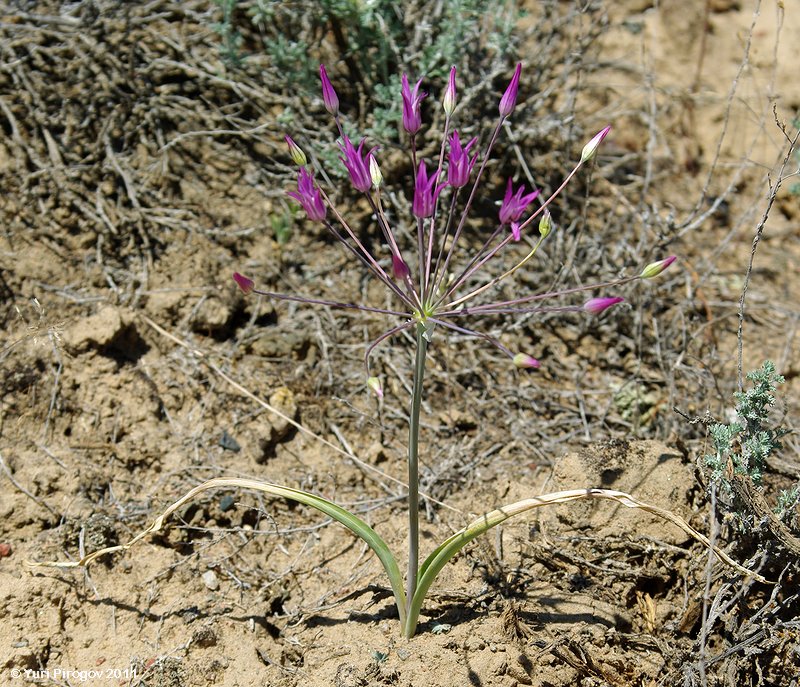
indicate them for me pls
(509, 100)
(329, 96)
(514, 204)
(308, 196)
(358, 164)
(524, 361)
(598, 305)
(460, 166)
(412, 119)
(399, 267)
(296, 152)
(656, 268)
(449, 100)
(374, 385)
(590, 149)
(425, 193)
(245, 284)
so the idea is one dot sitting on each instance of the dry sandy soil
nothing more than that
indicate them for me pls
(138, 171)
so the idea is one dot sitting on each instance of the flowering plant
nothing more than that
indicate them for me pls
(433, 286)
(428, 294)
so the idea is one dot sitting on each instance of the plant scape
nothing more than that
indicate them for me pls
(433, 285)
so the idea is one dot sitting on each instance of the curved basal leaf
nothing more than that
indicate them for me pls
(350, 521)
(439, 557)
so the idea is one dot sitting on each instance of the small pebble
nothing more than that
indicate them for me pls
(210, 580)
(229, 443)
(5, 550)
(205, 637)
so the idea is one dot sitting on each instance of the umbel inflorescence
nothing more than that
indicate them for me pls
(437, 281)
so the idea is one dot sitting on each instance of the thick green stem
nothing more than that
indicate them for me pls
(413, 463)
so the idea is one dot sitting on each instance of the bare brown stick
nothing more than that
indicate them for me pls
(773, 192)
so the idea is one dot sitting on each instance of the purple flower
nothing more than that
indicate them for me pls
(460, 166)
(597, 305)
(514, 205)
(329, 96)
(308, 196)
(412, 120)
(509, 99)
(357, 164)
(425, 193)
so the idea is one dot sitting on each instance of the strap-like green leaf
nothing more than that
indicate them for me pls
(346, 518)
(439, 557)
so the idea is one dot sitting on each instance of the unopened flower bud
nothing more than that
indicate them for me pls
(590, 149)
(509, 100)
(598, 305)
(399, 268)
(545, 224)
(375, 172)
(524, 361)
(245, 284)
(296, 152)
(449, 100)
(656, 268)
(329, 96)
(374, 385)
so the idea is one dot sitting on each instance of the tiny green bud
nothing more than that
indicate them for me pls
(374, 385)
(545, 224)
(590, 149)
(296, 152)
(449, 100)
(375, 172)
(442, 288)
(656, 268)
(524, 361)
